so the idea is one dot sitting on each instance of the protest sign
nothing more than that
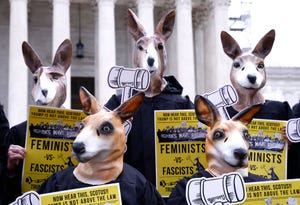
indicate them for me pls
(180, 147)
(49, 138)
(273, 192)
(268, 150)
(94, 195)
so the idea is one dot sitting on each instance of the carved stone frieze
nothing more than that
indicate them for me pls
(201, 13)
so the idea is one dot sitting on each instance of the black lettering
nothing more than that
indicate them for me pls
(178, 148)
(265, 157)
(178, 170)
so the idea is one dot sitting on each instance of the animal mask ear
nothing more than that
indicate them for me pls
(127, 109)
(246, 115)
(206, 112)
(31, 58)
(165, 26)
(230, 46)
(134, 26)
(88, 101)
(264, 46)
(63, 55)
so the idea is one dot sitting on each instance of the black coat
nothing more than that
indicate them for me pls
(134, 188)
(178, 194)
(272, 110)
(296, 110)
(275, 110)
(4, 130)
(294, 151)
(141, 139)
(13, 188)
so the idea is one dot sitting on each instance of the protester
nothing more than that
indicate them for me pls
(4, 129)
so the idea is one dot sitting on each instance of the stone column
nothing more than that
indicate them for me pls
(18, 71)
(145, 14)
(200, 16)
(61, 31)
(106, 49)
(217, 63)
(185, 47)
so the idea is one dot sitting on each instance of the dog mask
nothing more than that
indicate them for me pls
(248, 74)
(100, 145)
(149, 52)
(226, 143)
(49, 83)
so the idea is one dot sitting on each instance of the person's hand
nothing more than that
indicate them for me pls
(15, 154)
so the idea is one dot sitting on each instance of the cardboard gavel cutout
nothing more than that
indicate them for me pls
(223, 190)
(293, 130)
(128, 79)
(222, 98)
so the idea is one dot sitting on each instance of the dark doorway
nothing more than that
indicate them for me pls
(76, 82)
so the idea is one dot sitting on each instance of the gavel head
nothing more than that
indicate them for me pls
(136, 78)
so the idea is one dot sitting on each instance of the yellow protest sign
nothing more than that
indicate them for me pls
(49, 138)
(96, 195)
(268, 152)
(180, 151)
(273, 192)
(180, 148)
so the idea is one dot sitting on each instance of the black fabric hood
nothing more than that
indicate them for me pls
(173, 86)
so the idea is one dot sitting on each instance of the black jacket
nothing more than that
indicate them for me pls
(134, 188)
(275, 110)
(272, 110)
(141, 139)
(4, 130)
(296, 110)
(294, 151)
(13, 189)
(178, 194)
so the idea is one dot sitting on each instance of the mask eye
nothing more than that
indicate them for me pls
(236, 64)
(140, 48)
(218, 134)
(160, 46)
(81, 126)
(55, 76)
(246, 135)
(260, 66)
(35, 79)
(105, 128)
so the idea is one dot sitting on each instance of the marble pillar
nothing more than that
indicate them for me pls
(18, 71)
